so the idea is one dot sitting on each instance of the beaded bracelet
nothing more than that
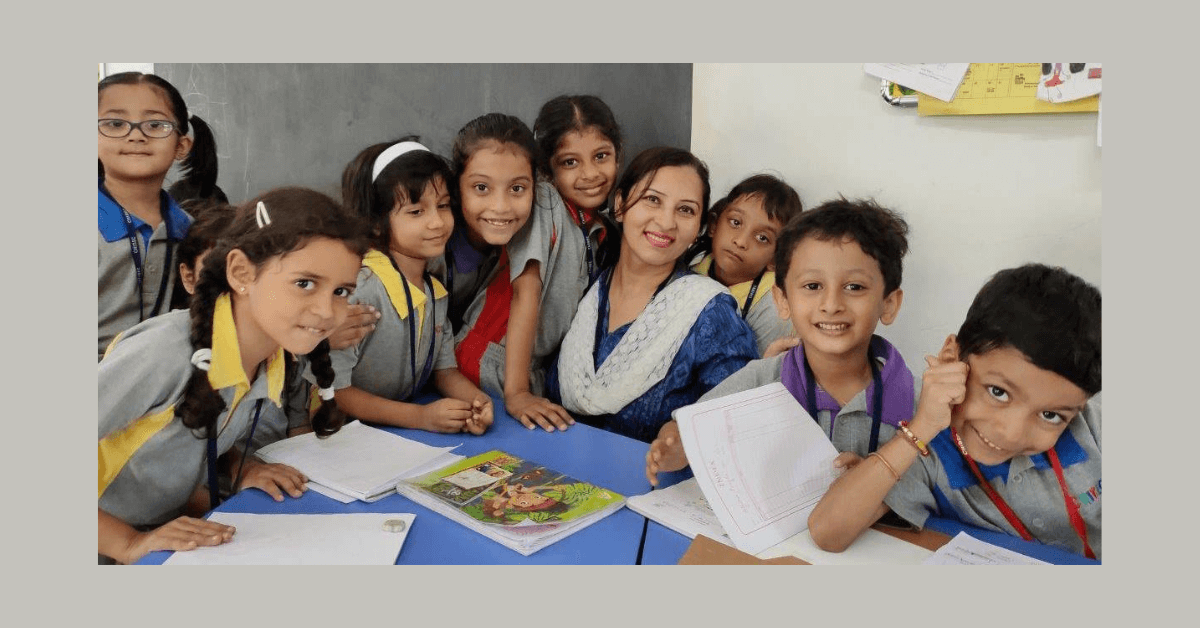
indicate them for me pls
(885, 463)
(912, 438)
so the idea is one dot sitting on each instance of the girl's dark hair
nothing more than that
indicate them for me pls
(644, 166)
(373, 201)
(490, 127)
(200, 166)
(297, 216)
(564, 114)
(211, 220)
(1046, 313)
(187, 193)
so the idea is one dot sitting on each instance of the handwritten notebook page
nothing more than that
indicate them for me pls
(682, 508)
(761, 462)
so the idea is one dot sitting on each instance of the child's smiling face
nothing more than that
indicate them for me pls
(421, 227)
(743, 240)
(1013, 407)
(496, 188)
(585, 168)
(835, 297)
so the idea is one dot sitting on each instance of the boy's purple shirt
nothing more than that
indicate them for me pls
(897, 383)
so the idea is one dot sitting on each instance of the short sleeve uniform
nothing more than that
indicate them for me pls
(149, 462)
(117, 275)
(943, 485)
(381, 363)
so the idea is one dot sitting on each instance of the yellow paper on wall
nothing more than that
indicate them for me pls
(998, 88)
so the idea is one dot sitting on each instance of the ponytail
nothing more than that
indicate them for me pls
(200, 166)
(201, 405)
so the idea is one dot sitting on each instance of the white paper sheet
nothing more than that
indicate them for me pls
(682, 508)
(939, 80)
(872, 548)
(965, 549)
(343, 539)
(359, 460)
(761, 462)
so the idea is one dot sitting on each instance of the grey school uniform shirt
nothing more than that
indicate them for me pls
(117, 275)
(551, 238)
(381, 363)
(149, 462)
(943, 485)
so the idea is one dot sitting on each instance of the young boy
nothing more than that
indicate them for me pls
(838, 276)
(1022, 452)
(745, 226)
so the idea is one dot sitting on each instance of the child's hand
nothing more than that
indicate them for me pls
(846, 460)
(444, 415)
(178, 535)
(781, 345)
(666, 453)
(273, 478)
(360, 321)
(943, 386)
(529, 409)
(481, 415)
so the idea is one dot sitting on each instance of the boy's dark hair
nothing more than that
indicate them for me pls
(779, 200)
(200, 166)
(644, 166)
(879, 231)
(188, 194)
(1046, 313)
(563, 114)
(493, 127)
(297, 215)
(408, 174)
(211, 219)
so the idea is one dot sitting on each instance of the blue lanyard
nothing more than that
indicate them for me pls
(135, 253)
(811, 389)
(712, 273)
(602, 306)
(214, 493)
(412, 331)
(587, 240)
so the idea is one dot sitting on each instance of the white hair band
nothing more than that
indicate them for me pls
(261, 215)
(390, 154)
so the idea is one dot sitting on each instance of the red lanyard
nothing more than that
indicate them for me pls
(1071, 505)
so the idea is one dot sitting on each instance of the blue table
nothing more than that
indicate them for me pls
(602, 458)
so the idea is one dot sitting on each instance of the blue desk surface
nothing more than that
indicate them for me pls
(603, 458)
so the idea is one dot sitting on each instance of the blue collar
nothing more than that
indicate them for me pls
(112, 225)
(959, 475)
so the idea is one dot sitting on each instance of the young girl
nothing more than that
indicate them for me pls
(399, 189)
(143, 126)
(178, 390)
(745, 226)
(580, 144)
(210, 220)
(651, 336)
(514, 267)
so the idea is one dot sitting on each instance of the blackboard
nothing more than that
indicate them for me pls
(300, 124)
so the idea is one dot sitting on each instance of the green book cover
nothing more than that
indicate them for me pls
(501, 489)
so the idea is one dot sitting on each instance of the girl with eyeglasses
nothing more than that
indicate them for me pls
(143, 129)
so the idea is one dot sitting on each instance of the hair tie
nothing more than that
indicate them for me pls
(325, 393)
(390, 154)
(261, 216)
(202, 358)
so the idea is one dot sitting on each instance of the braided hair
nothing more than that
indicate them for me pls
(297, 215)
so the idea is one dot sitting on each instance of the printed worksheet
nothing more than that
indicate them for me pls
(761, 462)
(965, 549)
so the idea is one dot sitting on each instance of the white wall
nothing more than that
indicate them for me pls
(980, 193)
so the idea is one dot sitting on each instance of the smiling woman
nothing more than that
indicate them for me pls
(650, 335)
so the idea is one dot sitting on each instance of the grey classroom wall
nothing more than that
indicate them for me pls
(300, 124)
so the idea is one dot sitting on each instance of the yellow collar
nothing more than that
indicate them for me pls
(742, 290)
(226, 366)
(381, 265)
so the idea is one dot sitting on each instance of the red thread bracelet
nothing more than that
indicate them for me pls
(912, 438)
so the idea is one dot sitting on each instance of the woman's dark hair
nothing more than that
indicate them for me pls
(643, 167)
(564, 114)
(297, 216)
(491, 127)
(211, 220)
(200, 166)
(1046, 313)
(372, 201)
(880, 232)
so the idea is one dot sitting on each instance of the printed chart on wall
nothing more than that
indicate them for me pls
(999, 88)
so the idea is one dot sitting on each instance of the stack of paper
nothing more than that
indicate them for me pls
(345, 539)
(359, 462)
(517, 503)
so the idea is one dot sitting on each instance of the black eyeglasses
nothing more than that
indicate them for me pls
(118, 128)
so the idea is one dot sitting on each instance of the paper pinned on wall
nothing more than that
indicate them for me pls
(1065, 82)
(939, 80)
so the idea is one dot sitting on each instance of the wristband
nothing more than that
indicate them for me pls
(887, 464)
(912, 438)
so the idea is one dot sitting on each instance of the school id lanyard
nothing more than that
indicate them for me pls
(580, 219)
(810, 389)
(419, 383)
(712, 273)
(214, 493)
(135, 253)
(1072, 506)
